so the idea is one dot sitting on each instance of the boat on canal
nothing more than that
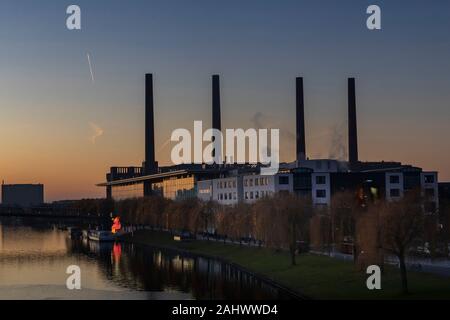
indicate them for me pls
(102, 236)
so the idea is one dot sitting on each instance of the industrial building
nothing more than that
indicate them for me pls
(229, 184)
(22, 195)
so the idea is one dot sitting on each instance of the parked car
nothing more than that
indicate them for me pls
(184, 236)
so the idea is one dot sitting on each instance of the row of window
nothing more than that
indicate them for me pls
(320, 193)
(257, 194)
(250, 182)
(428, 178)
(395, 193)
(226, 184)
(227, 196)
(250, 195)
(261, 181)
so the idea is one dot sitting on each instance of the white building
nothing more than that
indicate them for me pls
(248, 188)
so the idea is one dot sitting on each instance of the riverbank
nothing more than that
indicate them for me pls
(318, 277)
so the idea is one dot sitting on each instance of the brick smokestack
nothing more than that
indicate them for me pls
(216, 121)
(150, 164)
(300, 120)
(352, 124)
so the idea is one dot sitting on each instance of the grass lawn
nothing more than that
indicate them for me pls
(318, 277)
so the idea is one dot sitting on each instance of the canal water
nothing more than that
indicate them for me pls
(35, 254)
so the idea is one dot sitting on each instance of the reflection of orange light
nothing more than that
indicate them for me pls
(117, 251)
(116, 225)
(361, 194)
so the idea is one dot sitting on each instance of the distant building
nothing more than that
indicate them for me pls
(22, 195)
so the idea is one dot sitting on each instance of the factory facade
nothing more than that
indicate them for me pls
(229, 184)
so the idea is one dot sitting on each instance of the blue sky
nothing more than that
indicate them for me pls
(48, 101)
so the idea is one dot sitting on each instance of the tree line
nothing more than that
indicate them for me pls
(286, 221)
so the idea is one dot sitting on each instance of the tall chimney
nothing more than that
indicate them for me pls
(352, 127)
(216, 122)
(300, 120)
(150, 166)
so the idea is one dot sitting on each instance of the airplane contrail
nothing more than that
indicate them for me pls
(165, 144)
(90, 68)
(96, 132)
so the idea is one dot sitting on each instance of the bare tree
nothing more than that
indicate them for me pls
(206, 215)
(281, 221)
(320, 229)
(243, 226)
(401, 223)
(344, 211)
(294, 214)
(264, 217)
(193, 209)
(224, 221)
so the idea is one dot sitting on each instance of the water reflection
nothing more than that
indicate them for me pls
(35, 254)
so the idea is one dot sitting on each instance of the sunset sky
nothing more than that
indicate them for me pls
(60, 128)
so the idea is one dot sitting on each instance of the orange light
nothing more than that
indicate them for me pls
(116, 225)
